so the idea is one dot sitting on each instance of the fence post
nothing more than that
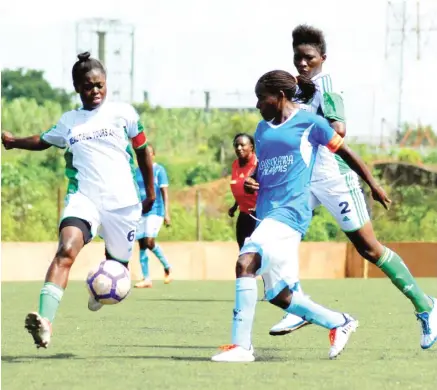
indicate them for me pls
(198, 227)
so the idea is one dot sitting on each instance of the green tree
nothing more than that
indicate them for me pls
(31, 84)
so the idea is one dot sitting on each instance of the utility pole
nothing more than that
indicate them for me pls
(113, 42)
(400, 25)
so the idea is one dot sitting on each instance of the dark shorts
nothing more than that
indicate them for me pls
(246, 224)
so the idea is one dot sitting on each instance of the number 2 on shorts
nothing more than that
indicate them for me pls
(345, 206)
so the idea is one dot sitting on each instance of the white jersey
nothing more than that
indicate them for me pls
(99, 157)
(327, 164)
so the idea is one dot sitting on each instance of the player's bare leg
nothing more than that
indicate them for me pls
(39, 324)
(146, 282)
(395, 269)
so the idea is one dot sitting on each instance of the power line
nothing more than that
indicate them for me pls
(401, 23)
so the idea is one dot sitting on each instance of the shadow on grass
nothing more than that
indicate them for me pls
(185, 300)
(69, 356)
(212, 348)
(30, 358)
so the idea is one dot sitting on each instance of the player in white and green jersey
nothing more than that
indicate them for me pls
(337, 188)
(102, 195)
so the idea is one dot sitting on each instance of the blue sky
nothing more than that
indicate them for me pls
(185, 47)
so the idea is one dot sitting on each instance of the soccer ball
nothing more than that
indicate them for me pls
(109, 283)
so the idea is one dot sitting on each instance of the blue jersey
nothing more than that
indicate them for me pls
(286, 155)
(160, 179)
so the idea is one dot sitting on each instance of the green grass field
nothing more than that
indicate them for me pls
(163, 338)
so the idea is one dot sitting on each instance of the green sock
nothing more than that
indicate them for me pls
(49, 299)
(393, 266)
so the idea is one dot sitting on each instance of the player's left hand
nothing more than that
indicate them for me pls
(147, 204)
(250, 185)
(380, 196)
(167, 220)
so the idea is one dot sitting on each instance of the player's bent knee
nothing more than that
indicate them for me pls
(372, 254)
(66, 254)
(283, 299)
(247, 265)
(150, 243)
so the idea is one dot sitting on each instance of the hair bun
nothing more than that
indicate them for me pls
(84, 56)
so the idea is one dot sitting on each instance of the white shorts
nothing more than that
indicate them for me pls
(116, 227)
(149, 226)
(278, 246)
(343, 197)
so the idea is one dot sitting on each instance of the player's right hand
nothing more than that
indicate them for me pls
(147, 205)
(7, 140)
(380, 196)
(251, 185)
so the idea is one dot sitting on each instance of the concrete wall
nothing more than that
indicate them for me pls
(215, 260)
(190, 260)
(420, 258)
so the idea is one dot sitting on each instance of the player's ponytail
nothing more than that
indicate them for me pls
(307, 89)
(83, 65)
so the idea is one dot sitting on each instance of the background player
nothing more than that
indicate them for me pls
(286, 142)
(151, 222)
(101, 190)
(242, 167)
(338, 189)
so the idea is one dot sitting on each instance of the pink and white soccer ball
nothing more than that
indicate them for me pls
(109, 283)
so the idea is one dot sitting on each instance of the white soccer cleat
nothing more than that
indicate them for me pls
(234, 354)
(93, 305)
(288, 324)
(40, 328)
(428, 320)
(340, 336)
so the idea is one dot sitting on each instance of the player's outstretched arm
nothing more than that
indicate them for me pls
(33, 142)
(145, 164)
(358, 165)
(339, 127)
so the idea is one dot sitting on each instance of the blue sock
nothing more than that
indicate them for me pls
(157, 251)
(314, 313)
(297, 289)
(144, 261)
(245, 301)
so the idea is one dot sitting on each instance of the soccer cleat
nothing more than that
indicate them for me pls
(40, 328)
(145, 283)
(232, 353)
(288, 324)
(167, 276)
(340, 336)
(94, 305)
(428, 320)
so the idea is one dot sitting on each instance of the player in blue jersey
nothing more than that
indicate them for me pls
(286, 144)
(151, 222)
(336, 187)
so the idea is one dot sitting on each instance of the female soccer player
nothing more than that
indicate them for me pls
(243, 167)
(102, 195)
(286, 142)
(337, 188)
(151, 222)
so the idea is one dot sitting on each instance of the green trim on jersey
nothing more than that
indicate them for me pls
(130, 152)
(47, 142)
(71, 172)
(333, 107)
(334, 111)
(141, 130)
